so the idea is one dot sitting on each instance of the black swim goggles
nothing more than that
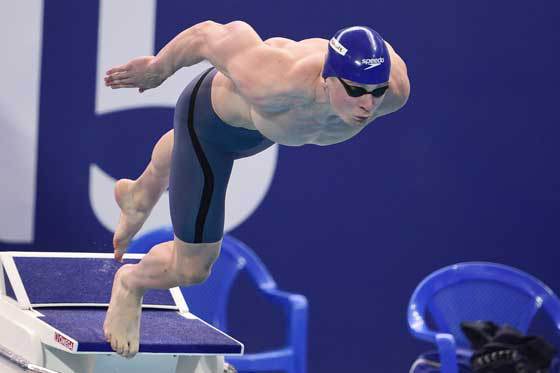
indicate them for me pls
(354, 91)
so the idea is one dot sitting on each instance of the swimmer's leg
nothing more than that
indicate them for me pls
(198, 180)
(200, 171)
(136, 198)
(169, 264)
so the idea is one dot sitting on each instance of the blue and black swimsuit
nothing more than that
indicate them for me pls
(203, 153)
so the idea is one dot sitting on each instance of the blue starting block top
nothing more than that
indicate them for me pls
(76, 281)
(72, 292)
(160, 331)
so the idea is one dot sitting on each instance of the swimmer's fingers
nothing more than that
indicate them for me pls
(117, 69)
(124, 83)
(140, 72)
(112, 82)
(115, 75)
(117, 86)
(119, 77)
(120, 80)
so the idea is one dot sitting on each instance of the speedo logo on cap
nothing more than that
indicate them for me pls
(372, 62)
(338, 48)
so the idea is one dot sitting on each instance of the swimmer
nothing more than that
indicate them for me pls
(258, 93)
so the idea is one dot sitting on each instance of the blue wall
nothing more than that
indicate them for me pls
(466, 171)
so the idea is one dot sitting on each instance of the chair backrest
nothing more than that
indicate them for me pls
(481, 291)
(209, 300)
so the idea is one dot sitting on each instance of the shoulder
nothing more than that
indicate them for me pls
(279, 42)
(295, 87)
(237, 51)
(299, 48)
(292, 82)
(399, 84)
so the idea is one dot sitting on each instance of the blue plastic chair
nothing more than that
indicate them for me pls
(209, 301)
(475, 291)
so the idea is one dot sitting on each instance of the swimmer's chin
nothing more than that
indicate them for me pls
(357, 121)
(350, 120)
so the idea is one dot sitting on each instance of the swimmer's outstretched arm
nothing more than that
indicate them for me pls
(235, 49)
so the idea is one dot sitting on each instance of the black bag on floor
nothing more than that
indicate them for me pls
(503, 349)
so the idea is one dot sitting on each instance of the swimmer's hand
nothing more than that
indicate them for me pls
(142, 73)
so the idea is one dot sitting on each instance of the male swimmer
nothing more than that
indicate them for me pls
(258, 93)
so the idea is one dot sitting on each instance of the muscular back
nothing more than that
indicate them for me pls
(287, 114)
(275, 87)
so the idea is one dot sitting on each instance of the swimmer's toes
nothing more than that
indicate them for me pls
(114, 345)
(121, 343)
(134, 348)
(125, 349)
(119, 253)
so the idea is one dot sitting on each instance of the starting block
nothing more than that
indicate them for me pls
(52, 308)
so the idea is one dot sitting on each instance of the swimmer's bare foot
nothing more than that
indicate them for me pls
(122, 322)
(134, 212)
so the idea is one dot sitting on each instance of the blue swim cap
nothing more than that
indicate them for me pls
(358, 54)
